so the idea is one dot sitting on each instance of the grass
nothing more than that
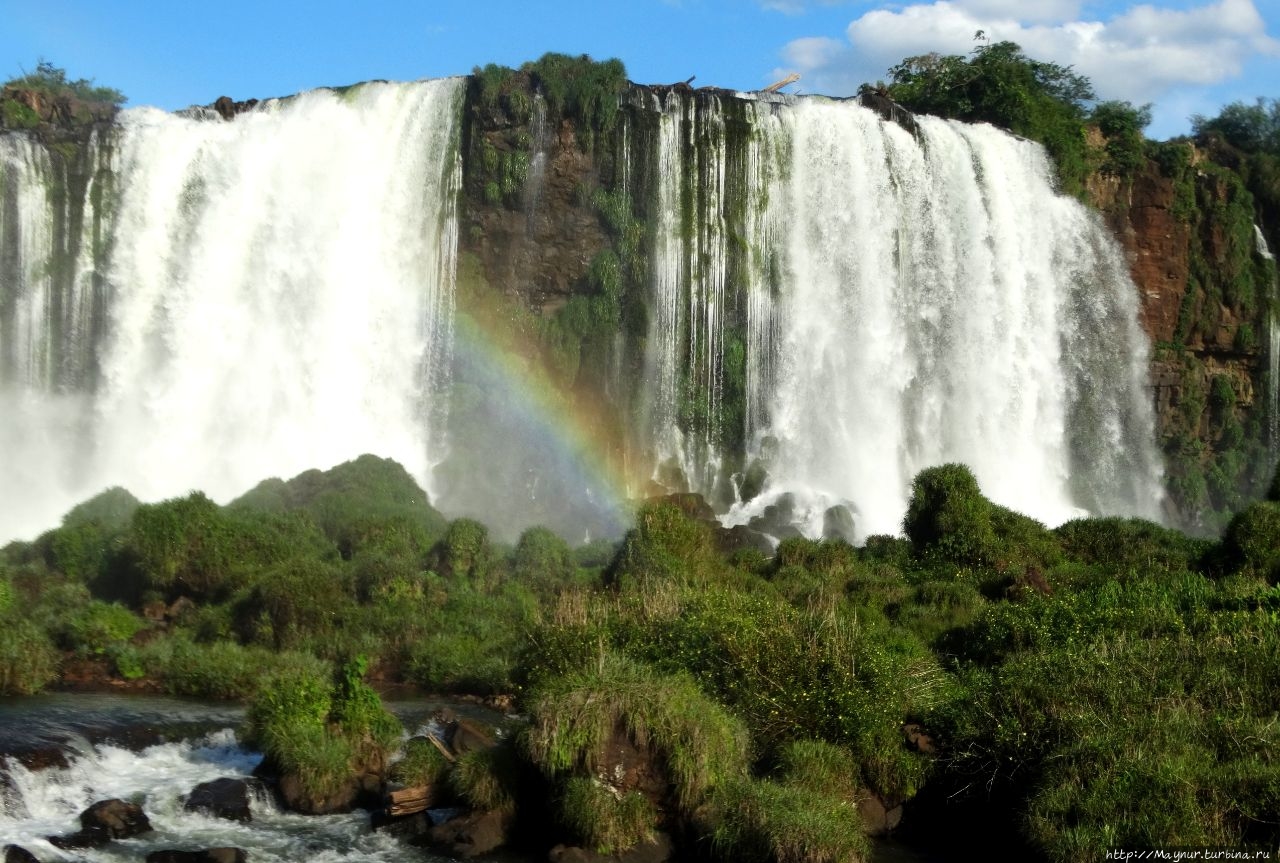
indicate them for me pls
(759, 820)
(608, 822)
(574, 717)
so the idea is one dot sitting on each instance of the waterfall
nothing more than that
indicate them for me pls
(848, 303)
(831, 303)
(711, 305)
(280, 298)
(53, 239)
(1273, 349)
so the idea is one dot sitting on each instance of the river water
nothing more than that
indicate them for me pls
(153, 751)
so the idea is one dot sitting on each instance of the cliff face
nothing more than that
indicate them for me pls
(1185, 220)
(1207, 292)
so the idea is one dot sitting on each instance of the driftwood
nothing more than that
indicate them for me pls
(778, 85)
(410, 801)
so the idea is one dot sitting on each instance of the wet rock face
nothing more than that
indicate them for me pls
(14, 854)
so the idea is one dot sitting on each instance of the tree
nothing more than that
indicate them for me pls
(999, 84)
(1253, 128)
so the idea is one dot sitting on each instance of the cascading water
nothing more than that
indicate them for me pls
(711, 299)
(1273, 349)
(280, 298)
(910, 300)
(831, 299)
(37, 805)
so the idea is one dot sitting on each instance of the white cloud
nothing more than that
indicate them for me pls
(1142, 54)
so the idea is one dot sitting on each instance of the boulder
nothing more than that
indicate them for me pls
(207, 855)
(473, 834)
(104, 821)
(837, 523)
(222, 798)
(15, 854)
(878, 817)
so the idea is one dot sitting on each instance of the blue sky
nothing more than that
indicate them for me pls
(1184, 56)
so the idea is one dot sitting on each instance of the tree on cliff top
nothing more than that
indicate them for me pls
(50, 80)
(1001, 85)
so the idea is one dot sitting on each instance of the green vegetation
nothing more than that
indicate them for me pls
(1107, 683)
(50, 80)
(48, 94)
(998, 84)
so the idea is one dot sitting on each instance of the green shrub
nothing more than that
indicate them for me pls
(575, 716)
(609, 824)
(296, 604)
(488, 778)
(464, 554)
(16, 115)
(100, 626)
(821, 767)
(28, 658)
(421, 764)
(222, 669)
(948, 519)
(948, 516)
(664, 545)
(1128, 544)
(543, 560)
(357, 709)
(755, 820)
(112, 509)
(1121, 123)
(1252, 540)
(472, 641)
(582, 89)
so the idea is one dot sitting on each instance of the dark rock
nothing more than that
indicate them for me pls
(742, 538)
(693, 505)
(473, 834)
(15, 854)
(917, 739)
(104, 821)
(296, 798)
(656, 851)
(837, 523)
(466, 735)
(227, 108)
(39, 758)
(208, 855)
(878, 817)
(222, 798)
(407, 827)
